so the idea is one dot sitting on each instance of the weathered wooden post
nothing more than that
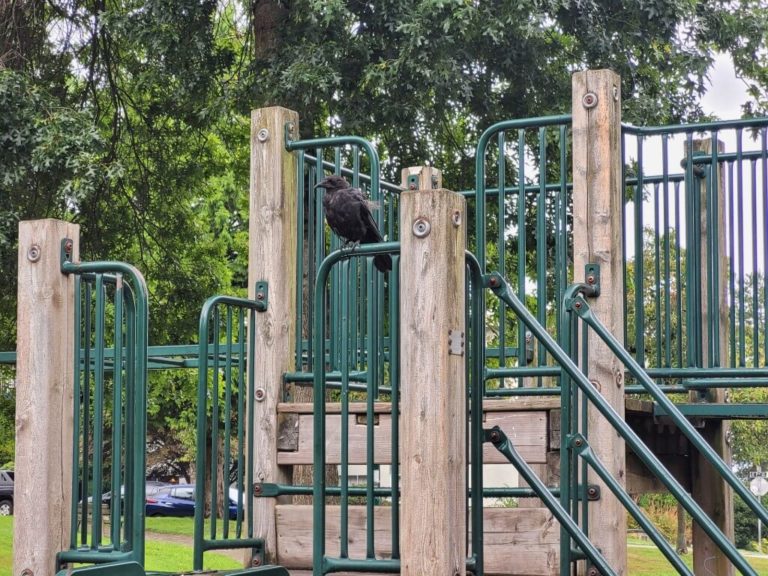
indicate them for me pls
(272, 260)
(44, 397)
(597, 209)
(432, 303)
(707, 486)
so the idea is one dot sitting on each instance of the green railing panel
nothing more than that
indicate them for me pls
(225, 395)
(108, 448)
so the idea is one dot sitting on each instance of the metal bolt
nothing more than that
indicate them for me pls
(260, 296)
(593, 572)
(68, 247)
(589, 100)
(260, 394)
(493, 281)
(456, 218)
(263, 135)
(495, 436)
(255, 562)
(577, 305)
(591, 279)
(421, 228)
(34, 253)
(591, 492)
(412, 187)
(578, 442)
(257, 489)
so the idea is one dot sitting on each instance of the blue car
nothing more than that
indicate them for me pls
(180, 501)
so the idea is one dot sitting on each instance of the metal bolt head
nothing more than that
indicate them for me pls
(421, 228)
(262, 135)
(456, 218)
(260, 296)
(577, 305)
(255, 562)
(593, 572)
(591, 491)
(257, 488)
(589, 100)
(260, 394)
(590, 279)
(68, 246)
(578, 442)
(493, 281)
(34, 253)
(495, 436)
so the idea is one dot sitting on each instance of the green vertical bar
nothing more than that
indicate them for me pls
(764, 164)
(227, 426)
(98, 413)
(370, 396)
(732, 266)
(86, 414)
(216, 335)
(501, 246)
(251, 371)
(117, 412)
(394, 383)
(740, 214)
(657, 270)
(241, 419)
(311, 259)
(639, 264)
(336, 287)
(77, 469)
(202, 437)
(132, 380)
(667, 270)
(521, 244)
(300, 191)
(755, 286)
(690, 254)
(344, 472)
(569, 325)
(561, 232)
(624, 255)
(541, 245)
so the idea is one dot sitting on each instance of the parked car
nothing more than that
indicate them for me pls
(152, 486)
(6, 492)
(180, 501)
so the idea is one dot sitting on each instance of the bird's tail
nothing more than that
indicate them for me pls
(383, 262)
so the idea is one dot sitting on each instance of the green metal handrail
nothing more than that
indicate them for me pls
(129, 402)
(502, 289)
(228, 327)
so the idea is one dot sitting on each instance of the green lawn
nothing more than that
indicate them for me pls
(644, 559)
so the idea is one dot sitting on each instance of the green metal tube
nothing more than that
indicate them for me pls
(501, 289)
(499, 439)
(583, 449)
(77, 469)
(117, 412)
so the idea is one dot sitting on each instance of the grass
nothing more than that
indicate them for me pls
(644, 559)
(160, 556)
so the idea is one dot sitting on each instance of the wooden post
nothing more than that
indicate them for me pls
(432, 304)
(597, 210)
(272, 259)
(421, 178)
(44, 397)
(708, 488)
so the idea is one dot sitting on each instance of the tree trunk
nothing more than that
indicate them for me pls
(267, 18)
(21, 32)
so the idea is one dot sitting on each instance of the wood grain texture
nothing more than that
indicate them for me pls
(432, 304)
(709, 489)
(597, 211)
(429, 177)
(272, 258)
(518, 542)
(44, 398)
(527, 430)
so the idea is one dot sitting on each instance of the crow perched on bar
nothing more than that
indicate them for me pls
(348, 213)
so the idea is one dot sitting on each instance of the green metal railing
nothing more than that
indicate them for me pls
(225, 395)
(108, 448)
(522, 228)
(696, 243)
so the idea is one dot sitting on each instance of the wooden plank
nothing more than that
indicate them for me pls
(517, 542)
(597, 239)
(432, 308)
(527, 430)
(709, 489)
(44, 396)
(521, 404)
(272, 258)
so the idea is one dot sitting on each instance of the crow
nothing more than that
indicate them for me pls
(348, 213)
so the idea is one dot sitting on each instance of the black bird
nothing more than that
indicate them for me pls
(348, 213)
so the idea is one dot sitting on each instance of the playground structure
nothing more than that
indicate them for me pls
(411, 371)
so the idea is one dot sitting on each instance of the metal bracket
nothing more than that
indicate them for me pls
(262, 294)
(257, 556)
(66, 252)
(592, 492)
(265, 490)
(592, 280)
(456, 342)
(412, 182)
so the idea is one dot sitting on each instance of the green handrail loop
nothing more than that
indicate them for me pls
(209, 335)
(131, 315)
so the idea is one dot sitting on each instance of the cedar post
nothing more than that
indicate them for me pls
(432, 303)
(272, 259)
(708, 488)
(597, 209)
(44, 397)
